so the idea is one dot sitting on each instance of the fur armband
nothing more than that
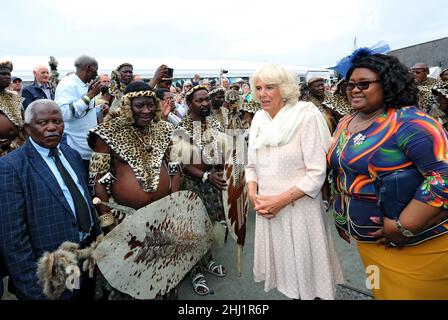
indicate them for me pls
(100, 163)
(106, 220)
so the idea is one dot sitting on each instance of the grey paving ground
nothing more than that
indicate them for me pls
(234, 287)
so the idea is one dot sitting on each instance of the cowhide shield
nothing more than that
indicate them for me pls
(150, 251)
(235, 199)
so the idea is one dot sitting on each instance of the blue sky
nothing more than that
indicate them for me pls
(313, 33)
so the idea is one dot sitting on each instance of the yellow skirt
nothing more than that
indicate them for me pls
(417, 272)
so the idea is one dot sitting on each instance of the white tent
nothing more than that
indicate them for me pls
(434, 72)
(183, 69)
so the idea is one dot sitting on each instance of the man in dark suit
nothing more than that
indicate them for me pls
(1, 280)
(41, 207)
(40, 88)
(2, 274)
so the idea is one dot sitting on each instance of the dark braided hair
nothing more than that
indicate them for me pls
(137, 86)
(160, 93)
(398, 85)
(126, 64)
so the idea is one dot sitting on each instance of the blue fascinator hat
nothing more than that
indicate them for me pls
(345, 63)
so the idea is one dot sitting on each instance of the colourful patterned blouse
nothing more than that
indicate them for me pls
(399, 138)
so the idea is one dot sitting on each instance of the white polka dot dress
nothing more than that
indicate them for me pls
(294, 252)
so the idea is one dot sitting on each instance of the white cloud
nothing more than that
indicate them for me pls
(291, 32)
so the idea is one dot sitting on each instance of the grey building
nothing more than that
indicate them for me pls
(434, 53)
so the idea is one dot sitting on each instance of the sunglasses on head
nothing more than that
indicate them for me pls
(361, 85)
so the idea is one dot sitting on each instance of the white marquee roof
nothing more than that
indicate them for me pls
(183, 68)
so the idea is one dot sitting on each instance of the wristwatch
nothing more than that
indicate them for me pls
(403, 230)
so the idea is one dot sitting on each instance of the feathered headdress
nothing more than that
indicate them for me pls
(345, 63)
(6, 64)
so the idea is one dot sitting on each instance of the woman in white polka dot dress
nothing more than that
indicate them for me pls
(294, 251)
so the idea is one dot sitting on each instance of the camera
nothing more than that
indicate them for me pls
(104, 89)
(225, 71)
(168, 76)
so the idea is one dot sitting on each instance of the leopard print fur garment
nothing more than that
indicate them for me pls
(118, 134)
(11, 107)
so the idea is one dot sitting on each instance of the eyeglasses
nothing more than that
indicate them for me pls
(361, 85)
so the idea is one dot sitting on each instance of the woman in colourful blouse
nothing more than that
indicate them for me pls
(409, 255)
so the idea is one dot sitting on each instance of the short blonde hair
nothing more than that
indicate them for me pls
(276, 74)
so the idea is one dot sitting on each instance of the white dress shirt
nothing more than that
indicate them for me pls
(79, 118)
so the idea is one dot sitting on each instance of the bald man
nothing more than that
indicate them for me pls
(75, 96)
